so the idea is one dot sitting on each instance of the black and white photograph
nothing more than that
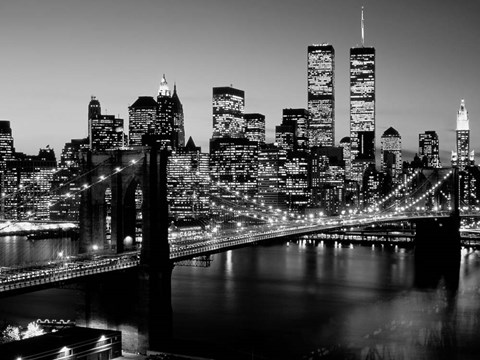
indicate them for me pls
(249, 179)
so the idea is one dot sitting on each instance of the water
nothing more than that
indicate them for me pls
(17, 250)
(285, 301)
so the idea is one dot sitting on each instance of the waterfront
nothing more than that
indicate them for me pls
(285, 300)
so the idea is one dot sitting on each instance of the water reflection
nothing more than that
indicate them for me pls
(305, 299)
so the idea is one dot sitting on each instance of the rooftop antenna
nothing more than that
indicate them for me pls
(363, 30)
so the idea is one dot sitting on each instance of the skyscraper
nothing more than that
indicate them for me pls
(391, 152)
(429, 149)
(106, 133)
(188, 182)
(362, 107)
(142, 116)
(228, 108)
(255, 127)
(94, 112)
(300, 118)
(461, 158)
(321, 96)
(178, 119)
(164, 122)
(6, 144)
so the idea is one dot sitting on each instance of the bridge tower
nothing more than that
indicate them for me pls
(123, 171)
(437, 244)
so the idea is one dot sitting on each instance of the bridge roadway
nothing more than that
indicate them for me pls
(36, 277)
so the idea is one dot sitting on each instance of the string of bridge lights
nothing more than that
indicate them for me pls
(244, 197)
(84, 187)
(102, 178)
(393, 192)
(424, 195)
(22, 188)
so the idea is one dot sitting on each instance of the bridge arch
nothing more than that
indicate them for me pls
(126, 172)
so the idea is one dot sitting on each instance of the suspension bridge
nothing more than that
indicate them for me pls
(119, 188)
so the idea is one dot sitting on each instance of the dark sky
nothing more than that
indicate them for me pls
(56, 53)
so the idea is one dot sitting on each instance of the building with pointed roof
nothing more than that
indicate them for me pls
(462, 157)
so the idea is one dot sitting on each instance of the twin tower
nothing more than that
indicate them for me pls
(321, 102)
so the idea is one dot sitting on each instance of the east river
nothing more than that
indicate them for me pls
(299, 300)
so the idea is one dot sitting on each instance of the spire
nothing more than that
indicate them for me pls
(175, 87)
(163, 90)
(462, 117)
(363, 30)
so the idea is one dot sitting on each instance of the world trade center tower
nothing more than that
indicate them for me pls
(321, 96)
(362, 108)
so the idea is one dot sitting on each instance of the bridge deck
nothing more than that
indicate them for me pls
(46, 275)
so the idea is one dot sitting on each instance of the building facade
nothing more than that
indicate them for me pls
(391, 153)
(362, 109)
(462, 157)
(429, 149)
(321, 95)
(188, 182)
(228, 110)
(255, 127)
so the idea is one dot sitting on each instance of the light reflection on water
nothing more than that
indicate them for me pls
(283, 302)
(18, 250)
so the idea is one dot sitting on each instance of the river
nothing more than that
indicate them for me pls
(286, 300)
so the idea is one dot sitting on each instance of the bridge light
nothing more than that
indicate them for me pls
(102, 177)
(117, 169)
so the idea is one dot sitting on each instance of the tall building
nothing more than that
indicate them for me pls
(94, 112)
(29, 179)
(228, 109)
(296, 180)
(178, 119)
(164, 122)
(106, 133)
(286, 136)
(362, 107)
(272, 175)
(188, 182)
(321, 96)
(6, 143)
(345, 145)
(326, 178)
(299, 117)
(429, 149)
(234, 162)
(255, 127)
(462, 156)
(142, 117)
(391, 152)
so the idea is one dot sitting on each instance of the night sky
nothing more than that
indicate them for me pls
(55, 54)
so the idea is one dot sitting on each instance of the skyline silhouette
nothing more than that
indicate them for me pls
(58, 54)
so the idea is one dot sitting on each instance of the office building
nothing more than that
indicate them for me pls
(362, 108)
(178, 119)
(272, 176)
(28, 180)
(255, 127)
(391, 153)
(234, 163)
(188, 182)
(462, 157)
(429, 149)
(228, 110)
(321, 96)
(299, 118)
(142, 116)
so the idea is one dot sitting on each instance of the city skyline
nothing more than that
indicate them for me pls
(414, 93)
